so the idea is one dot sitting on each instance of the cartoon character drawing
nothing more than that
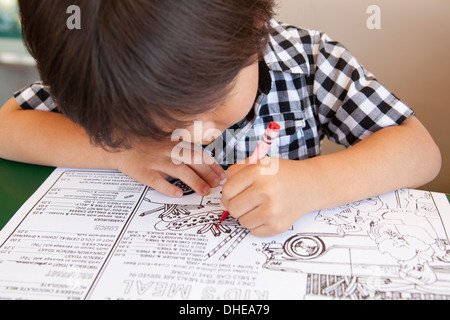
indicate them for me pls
(195, 213)
(405, 244)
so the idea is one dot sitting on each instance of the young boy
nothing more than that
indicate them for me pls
(138, 70)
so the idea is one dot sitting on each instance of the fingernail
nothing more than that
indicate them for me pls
(206, 190)
(223, 176)
(216, 182)
(179, 194)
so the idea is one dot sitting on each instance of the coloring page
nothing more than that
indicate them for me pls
(100, 235)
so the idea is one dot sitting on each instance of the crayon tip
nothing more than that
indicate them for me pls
(225, 215)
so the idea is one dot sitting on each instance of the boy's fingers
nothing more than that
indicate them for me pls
(208, 163)
(200, 161)
(262, 222)
(209, 169)
(207, 174)
(191, 178)
(234, 169)
(235, 185)
(220, 172)
(267, 231)
(244, 203)
(252, 219)
(154, 180)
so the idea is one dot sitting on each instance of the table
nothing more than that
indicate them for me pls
(18, 182)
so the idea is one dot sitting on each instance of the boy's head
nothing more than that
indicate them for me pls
(141, 68)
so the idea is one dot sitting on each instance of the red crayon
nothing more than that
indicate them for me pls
(260, 153)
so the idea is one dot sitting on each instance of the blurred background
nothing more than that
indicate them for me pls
(17, 69)
(409, 54)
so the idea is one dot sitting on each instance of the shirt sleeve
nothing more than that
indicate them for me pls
(36, 97)
(351, 103)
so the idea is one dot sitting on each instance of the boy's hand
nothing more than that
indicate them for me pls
(266, 204)
(151, 164)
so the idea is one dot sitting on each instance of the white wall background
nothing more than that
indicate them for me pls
(16, 68)
(410, 54)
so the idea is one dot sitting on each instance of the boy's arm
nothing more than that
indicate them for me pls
(388, 149)
(51, 139)
(395, 157)
(47, 138)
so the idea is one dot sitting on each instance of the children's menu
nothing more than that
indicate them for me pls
(89, 234)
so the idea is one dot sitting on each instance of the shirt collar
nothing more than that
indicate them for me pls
(285, 51)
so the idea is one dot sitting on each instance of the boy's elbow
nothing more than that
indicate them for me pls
(435, 160)
(7, 127)
(431, 158)
(426, 152)
(4, 116)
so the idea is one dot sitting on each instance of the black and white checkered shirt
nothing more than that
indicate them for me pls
(311, 86)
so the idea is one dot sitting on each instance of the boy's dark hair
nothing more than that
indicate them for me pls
(138, 68)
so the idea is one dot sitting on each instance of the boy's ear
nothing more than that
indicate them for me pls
(259, 24)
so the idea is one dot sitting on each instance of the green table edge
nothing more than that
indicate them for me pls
(18, 183)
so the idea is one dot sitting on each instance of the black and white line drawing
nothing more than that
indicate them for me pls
(201, 215)
(370, 250)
